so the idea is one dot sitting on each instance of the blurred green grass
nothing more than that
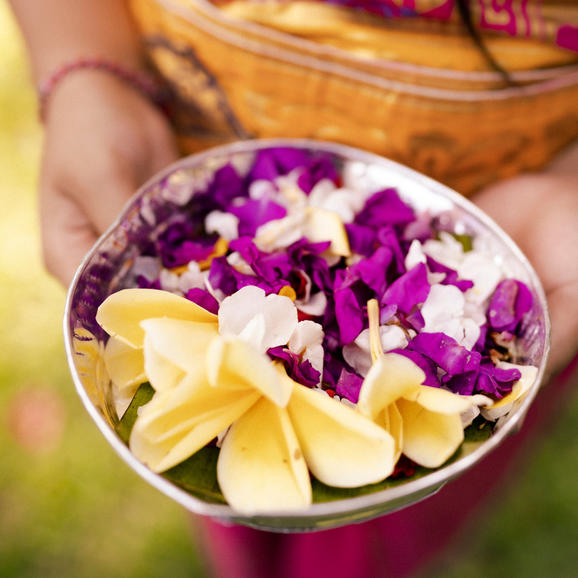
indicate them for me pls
(70, 507)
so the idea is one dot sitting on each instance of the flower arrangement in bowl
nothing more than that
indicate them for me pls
(296, 335)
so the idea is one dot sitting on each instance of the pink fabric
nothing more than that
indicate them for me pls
(399, 544)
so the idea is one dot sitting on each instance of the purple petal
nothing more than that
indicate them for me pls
(424, 363)
(256, 212)
(300, 371)
(409, 290)
(510, 301)
(226, 186)
(348, 385)
(462, 383)
(204, 299)
(349, 314)
(446, 352)
(317, 169)
(223, 276)
(385, 207)
(273, 162)
(144, 283)
(270, 267)
(373, 271)
(362, 240)
(496, 382)
(387, 237)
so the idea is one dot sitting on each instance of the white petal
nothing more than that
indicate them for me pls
(224, 224)
(482, 269)
(254, 332)
(315, 306)
(444, 304)
(344, 202)
(448, 251)
(280, 320)
(342, 448)
(280, 233)
(357, 354)
(278, 312)
(307, 340)
(238, 309)
(261, 467)
(236, 261)
(415, 255)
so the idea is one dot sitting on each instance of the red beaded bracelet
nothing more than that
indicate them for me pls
(143, 82)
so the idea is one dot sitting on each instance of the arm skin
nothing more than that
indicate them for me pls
(103, 138)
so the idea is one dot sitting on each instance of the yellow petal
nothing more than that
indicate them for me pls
(391, 376)
(390, 420)
(183, 343)
(429, 438)
(231, 361)
(124, 364)
(177, 423)
(121, 313)
(342, 447)
(440, 400)
(161, 372)
(323, 225)
(261, 467)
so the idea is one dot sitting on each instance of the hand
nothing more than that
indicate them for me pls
(103, 140)
(539, 213)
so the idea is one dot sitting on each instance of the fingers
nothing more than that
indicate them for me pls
(563, 305)
(67, 235)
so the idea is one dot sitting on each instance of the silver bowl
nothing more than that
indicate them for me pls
(106, 268)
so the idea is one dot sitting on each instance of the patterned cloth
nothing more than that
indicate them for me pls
(554, 21)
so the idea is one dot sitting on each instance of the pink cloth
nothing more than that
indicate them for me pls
(399, 544)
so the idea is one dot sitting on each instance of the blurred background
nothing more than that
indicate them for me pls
(70, 507)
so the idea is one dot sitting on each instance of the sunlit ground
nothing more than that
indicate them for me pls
(70, 507)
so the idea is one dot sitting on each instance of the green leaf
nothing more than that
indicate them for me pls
(142, 396)
(198, 475)
(465, 240)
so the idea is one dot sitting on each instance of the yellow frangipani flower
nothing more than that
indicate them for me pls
(424, 421)
(211, 373)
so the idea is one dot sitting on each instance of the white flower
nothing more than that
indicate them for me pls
(358, 355)
(344, 202)
(307, 341)
(443, 312)
(226, 225)
(191, 278)
(269, 320)
(477, 265)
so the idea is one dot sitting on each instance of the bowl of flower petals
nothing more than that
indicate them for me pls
(296, 335)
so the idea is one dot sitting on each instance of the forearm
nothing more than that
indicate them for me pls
(59, 31)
